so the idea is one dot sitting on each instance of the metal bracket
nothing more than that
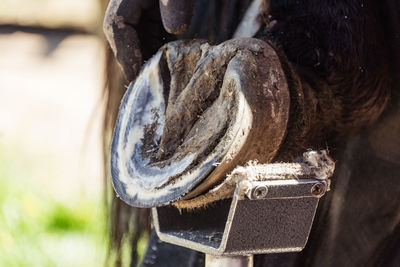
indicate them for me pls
(262, 217)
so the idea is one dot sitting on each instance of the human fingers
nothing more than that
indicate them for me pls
(176, 15)
(119, 24)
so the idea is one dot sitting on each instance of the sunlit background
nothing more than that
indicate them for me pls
(51, 77)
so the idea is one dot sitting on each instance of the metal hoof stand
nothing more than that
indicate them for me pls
(268, 217)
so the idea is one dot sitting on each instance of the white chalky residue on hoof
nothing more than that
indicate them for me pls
(242, 124)
(136, 183)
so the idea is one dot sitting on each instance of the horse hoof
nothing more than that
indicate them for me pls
(193, 114)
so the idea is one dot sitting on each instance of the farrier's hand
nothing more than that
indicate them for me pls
(135, 29)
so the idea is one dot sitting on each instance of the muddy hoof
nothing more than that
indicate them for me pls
(193, 114)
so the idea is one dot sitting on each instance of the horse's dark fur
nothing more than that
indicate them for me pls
(339, 52)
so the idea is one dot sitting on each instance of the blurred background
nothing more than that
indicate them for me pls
(52, 211)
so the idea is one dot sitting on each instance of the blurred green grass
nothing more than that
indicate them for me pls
(36, 230)
(51, 207)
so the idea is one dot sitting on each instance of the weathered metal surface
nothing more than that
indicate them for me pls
(279, 221)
